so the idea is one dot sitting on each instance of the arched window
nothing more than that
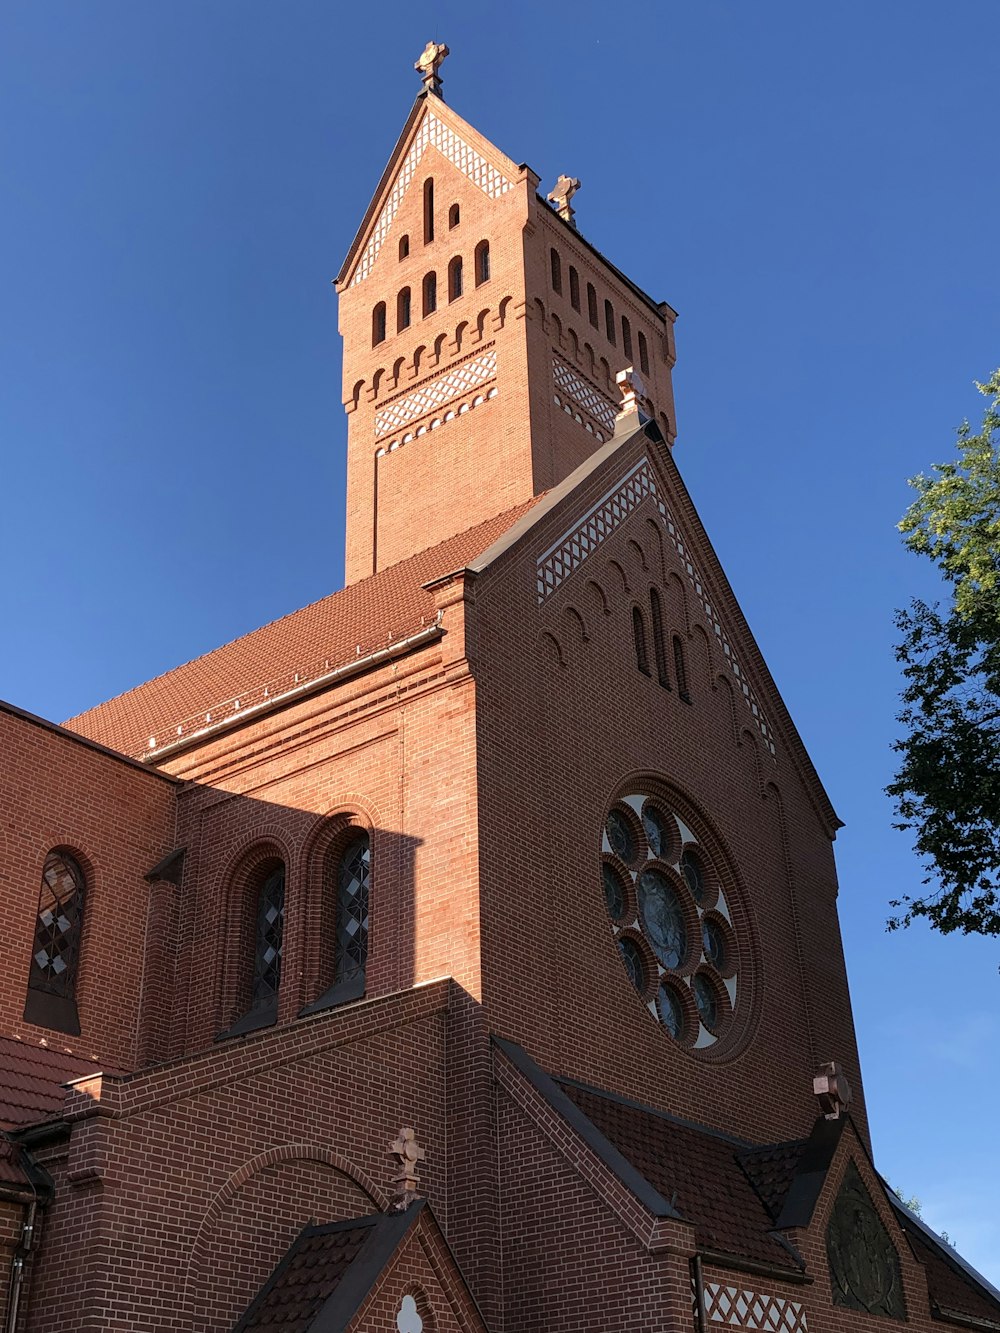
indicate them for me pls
(51, 998)
(555, 264)
(609, 322)
(574, 288)
(268, 936)
(430, 293)
(403, 310)
(455, 278)
(351, 945)
(592, 305)
(643, 354)
(454, 215)
(680, 669)
(626, 338)
(378, 324)
(639, 635)
(659, 642)
(482, 263)
(404, 247)
(428, 210)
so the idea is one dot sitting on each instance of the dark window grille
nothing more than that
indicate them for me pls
(555, 264)
(455, 278)
(428, 210)
(574, 288)
(378, 324)
(56, 950)
(430, 293)
(639, 634)
(643, 354)
(353, 876)
(609, 322)
(626, 338)
(268, 940)
(404, 247)
(403, 310)
(659, 643)
(482, 263)
(454, 215)
(592, 305)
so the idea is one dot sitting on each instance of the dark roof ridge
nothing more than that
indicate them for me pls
(947, 1253)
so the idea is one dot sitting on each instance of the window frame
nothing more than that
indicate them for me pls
(45, 1006)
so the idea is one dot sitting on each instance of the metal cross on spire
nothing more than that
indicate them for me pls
(431, 59)
(562, 196)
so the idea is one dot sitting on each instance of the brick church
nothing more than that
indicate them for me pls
(459, 952)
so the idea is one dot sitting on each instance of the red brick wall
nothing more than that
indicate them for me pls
(118, 821)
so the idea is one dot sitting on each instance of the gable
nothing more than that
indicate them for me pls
(431, 125)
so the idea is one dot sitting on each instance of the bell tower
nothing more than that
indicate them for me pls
(482, 339)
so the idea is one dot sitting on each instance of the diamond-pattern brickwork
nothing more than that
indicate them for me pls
(469, 375)
(586, 397)
(738, 1308)
(566, 555)
(432, 133)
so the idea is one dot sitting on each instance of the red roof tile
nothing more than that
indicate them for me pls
(299, 647)
(31, 1079)
(698, 1171)
(306, 1280)
(771, 1170)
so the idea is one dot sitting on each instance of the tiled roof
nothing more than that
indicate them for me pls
(10, 1168)
(697, 1170)
(306, 1279)
(302, 646)
(31, 1079)
(951, 1288)
(771, 1170)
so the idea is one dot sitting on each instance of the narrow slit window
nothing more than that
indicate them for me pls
(639, 635)
(555, 266)
(403, 313)
(626, 338)
(351, 946)
(268, 940)
(428, 210)
(430, 293)
(574, 288)
(680, 669)
(609, 322)
(378, 324)
(643, 354)
(454, 214)
(455, 278)
(482, 263)
(592, 305)
(51, 998)
(404, 247)
(659, 643)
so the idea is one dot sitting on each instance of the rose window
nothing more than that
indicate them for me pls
(671, 921)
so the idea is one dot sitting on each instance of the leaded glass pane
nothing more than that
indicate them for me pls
(634, 966)
(671, 1010)
(58, 928)
(614, 892)
(714, 943)
(620, 837)
(270, 930)
(706, 1000)
(662, 918)
(655, 826)
(353, 874)
(693, 874)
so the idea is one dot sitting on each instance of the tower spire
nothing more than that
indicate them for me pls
(431, 59)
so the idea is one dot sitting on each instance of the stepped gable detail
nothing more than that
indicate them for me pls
(273, 660)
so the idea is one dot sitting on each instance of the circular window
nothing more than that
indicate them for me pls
(662, 888)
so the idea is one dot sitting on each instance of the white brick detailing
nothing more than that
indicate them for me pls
(565, 556)
(472, 164)
(569, 384)
(469, 375)
(737, 1308)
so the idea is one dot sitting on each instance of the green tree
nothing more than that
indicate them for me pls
(947, 786)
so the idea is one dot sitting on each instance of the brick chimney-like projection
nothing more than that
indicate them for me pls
(482, 339)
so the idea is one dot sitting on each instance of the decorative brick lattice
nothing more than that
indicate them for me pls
(469, 375)
(585, 396)
(566, 555)
(753, 1309)
(435, 133)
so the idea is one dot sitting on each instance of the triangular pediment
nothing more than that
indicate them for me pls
(431, 126)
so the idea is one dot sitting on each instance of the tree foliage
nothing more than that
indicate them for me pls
(947, 786)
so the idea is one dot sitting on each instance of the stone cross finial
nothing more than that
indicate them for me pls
(832, 1089)
(409, 1153)
(634, 400)
(431, 58)
(562, 196)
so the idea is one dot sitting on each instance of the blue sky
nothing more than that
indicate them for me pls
(811, 187)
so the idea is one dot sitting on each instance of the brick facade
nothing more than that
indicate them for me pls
(473, 704)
